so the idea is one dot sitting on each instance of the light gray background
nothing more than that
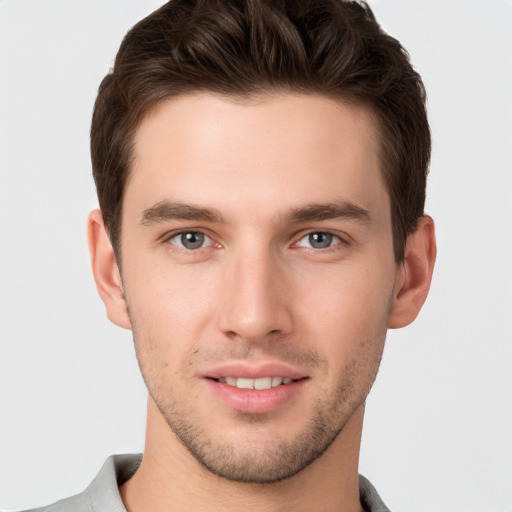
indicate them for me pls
(438, 433)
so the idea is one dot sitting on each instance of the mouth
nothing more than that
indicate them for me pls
(260, 384)
(256, 394)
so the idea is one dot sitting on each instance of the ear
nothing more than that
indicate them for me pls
(105, 270)
(414, 274)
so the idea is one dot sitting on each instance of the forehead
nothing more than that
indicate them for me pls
(266, 150)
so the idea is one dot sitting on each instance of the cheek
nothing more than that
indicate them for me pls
(347, 306)
(169, 307)
(349, 291)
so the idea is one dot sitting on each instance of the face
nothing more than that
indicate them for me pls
(258, 272)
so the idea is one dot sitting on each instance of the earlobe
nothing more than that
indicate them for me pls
(414, 275)
(106, 272)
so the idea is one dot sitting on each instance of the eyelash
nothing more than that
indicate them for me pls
(181, 234)
(335, 240)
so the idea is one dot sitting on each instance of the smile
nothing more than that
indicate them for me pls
(259, 384)
(256, 395)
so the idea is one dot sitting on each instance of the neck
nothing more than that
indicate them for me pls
(171, 479)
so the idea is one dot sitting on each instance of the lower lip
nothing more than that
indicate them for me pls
(255, 401)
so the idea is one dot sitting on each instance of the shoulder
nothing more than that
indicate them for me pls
(78, 503)
(370, 499)
(103, 492)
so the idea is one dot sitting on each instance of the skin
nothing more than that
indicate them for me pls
(262, 180)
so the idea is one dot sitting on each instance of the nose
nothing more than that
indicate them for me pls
(255, 304)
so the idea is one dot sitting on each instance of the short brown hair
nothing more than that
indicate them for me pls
(244, 47)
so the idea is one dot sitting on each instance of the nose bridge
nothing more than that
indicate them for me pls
(254, 303)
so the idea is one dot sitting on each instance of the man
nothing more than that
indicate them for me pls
(261, 169)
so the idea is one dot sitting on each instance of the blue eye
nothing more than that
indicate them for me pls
(190, 240)
(319, 240)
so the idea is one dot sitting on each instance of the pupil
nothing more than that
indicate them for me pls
(320, 240)
(192, 240)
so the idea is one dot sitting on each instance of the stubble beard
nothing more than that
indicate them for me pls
(240, 461)
(276, 460)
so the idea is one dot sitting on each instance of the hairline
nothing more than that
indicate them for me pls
(251, 97)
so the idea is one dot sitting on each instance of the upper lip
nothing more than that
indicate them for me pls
(246, 371)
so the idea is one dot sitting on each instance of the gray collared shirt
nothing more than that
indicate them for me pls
(102, 495)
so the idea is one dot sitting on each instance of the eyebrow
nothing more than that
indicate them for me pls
(166, 210)
(328, 211)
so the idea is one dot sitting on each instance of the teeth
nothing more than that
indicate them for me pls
(276, 381)
(245, 383)
(259, 384)
(263, 383)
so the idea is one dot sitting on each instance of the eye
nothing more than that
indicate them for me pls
(319, 240)
(190, 240)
